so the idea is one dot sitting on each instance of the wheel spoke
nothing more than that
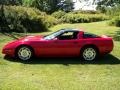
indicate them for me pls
(24, 53)
(89, 54)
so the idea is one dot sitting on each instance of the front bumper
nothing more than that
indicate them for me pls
(9, 52)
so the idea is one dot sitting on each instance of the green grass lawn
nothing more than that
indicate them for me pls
(64, 73)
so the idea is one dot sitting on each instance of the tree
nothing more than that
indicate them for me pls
(50, 6)
(107, 3)
(66, 5)
(11, 2)
(103, 5)
(4, 26)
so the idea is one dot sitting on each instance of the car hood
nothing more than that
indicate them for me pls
(32, 38)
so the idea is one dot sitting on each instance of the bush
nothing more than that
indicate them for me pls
(115, 21)
(79, 16)
(51, 21)
(113, 11)
(85, 12)
(58, 14)
(22, 19)
(83, 18)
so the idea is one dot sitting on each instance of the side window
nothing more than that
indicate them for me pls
(68, 35)
(89, 35)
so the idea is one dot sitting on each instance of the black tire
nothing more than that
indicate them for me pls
(89, 53)
(24, 53)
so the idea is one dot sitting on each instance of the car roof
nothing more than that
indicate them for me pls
(70, 30)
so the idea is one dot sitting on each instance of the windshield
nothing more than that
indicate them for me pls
(53, 35)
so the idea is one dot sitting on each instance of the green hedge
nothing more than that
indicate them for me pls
(85, 12)
(115, 21)
(20, 19)
(58, 14)
(83, 18)
(79, 16)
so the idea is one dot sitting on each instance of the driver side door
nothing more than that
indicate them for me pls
(64, 45)
(67, 44)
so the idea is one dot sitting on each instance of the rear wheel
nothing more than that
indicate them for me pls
(89, 53)
(24, 53)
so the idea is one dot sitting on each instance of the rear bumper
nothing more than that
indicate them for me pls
(107, 46)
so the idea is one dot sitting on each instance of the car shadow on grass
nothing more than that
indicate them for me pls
(107, 59)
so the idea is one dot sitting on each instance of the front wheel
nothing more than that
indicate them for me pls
(89, 53)
(24, 53)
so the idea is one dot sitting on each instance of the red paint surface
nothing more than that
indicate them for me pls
(59, 48)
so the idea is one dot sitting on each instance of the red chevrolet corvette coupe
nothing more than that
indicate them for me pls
(63, 43)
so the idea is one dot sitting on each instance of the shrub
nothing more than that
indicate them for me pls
(85, 12)
(50, 21)
(83, 18)
(113, 11)
(58, 14)
(22, 19)
(115, 21)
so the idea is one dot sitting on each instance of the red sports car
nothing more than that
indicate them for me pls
(63, 43)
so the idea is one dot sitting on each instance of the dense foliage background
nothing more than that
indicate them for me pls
(39, 15)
